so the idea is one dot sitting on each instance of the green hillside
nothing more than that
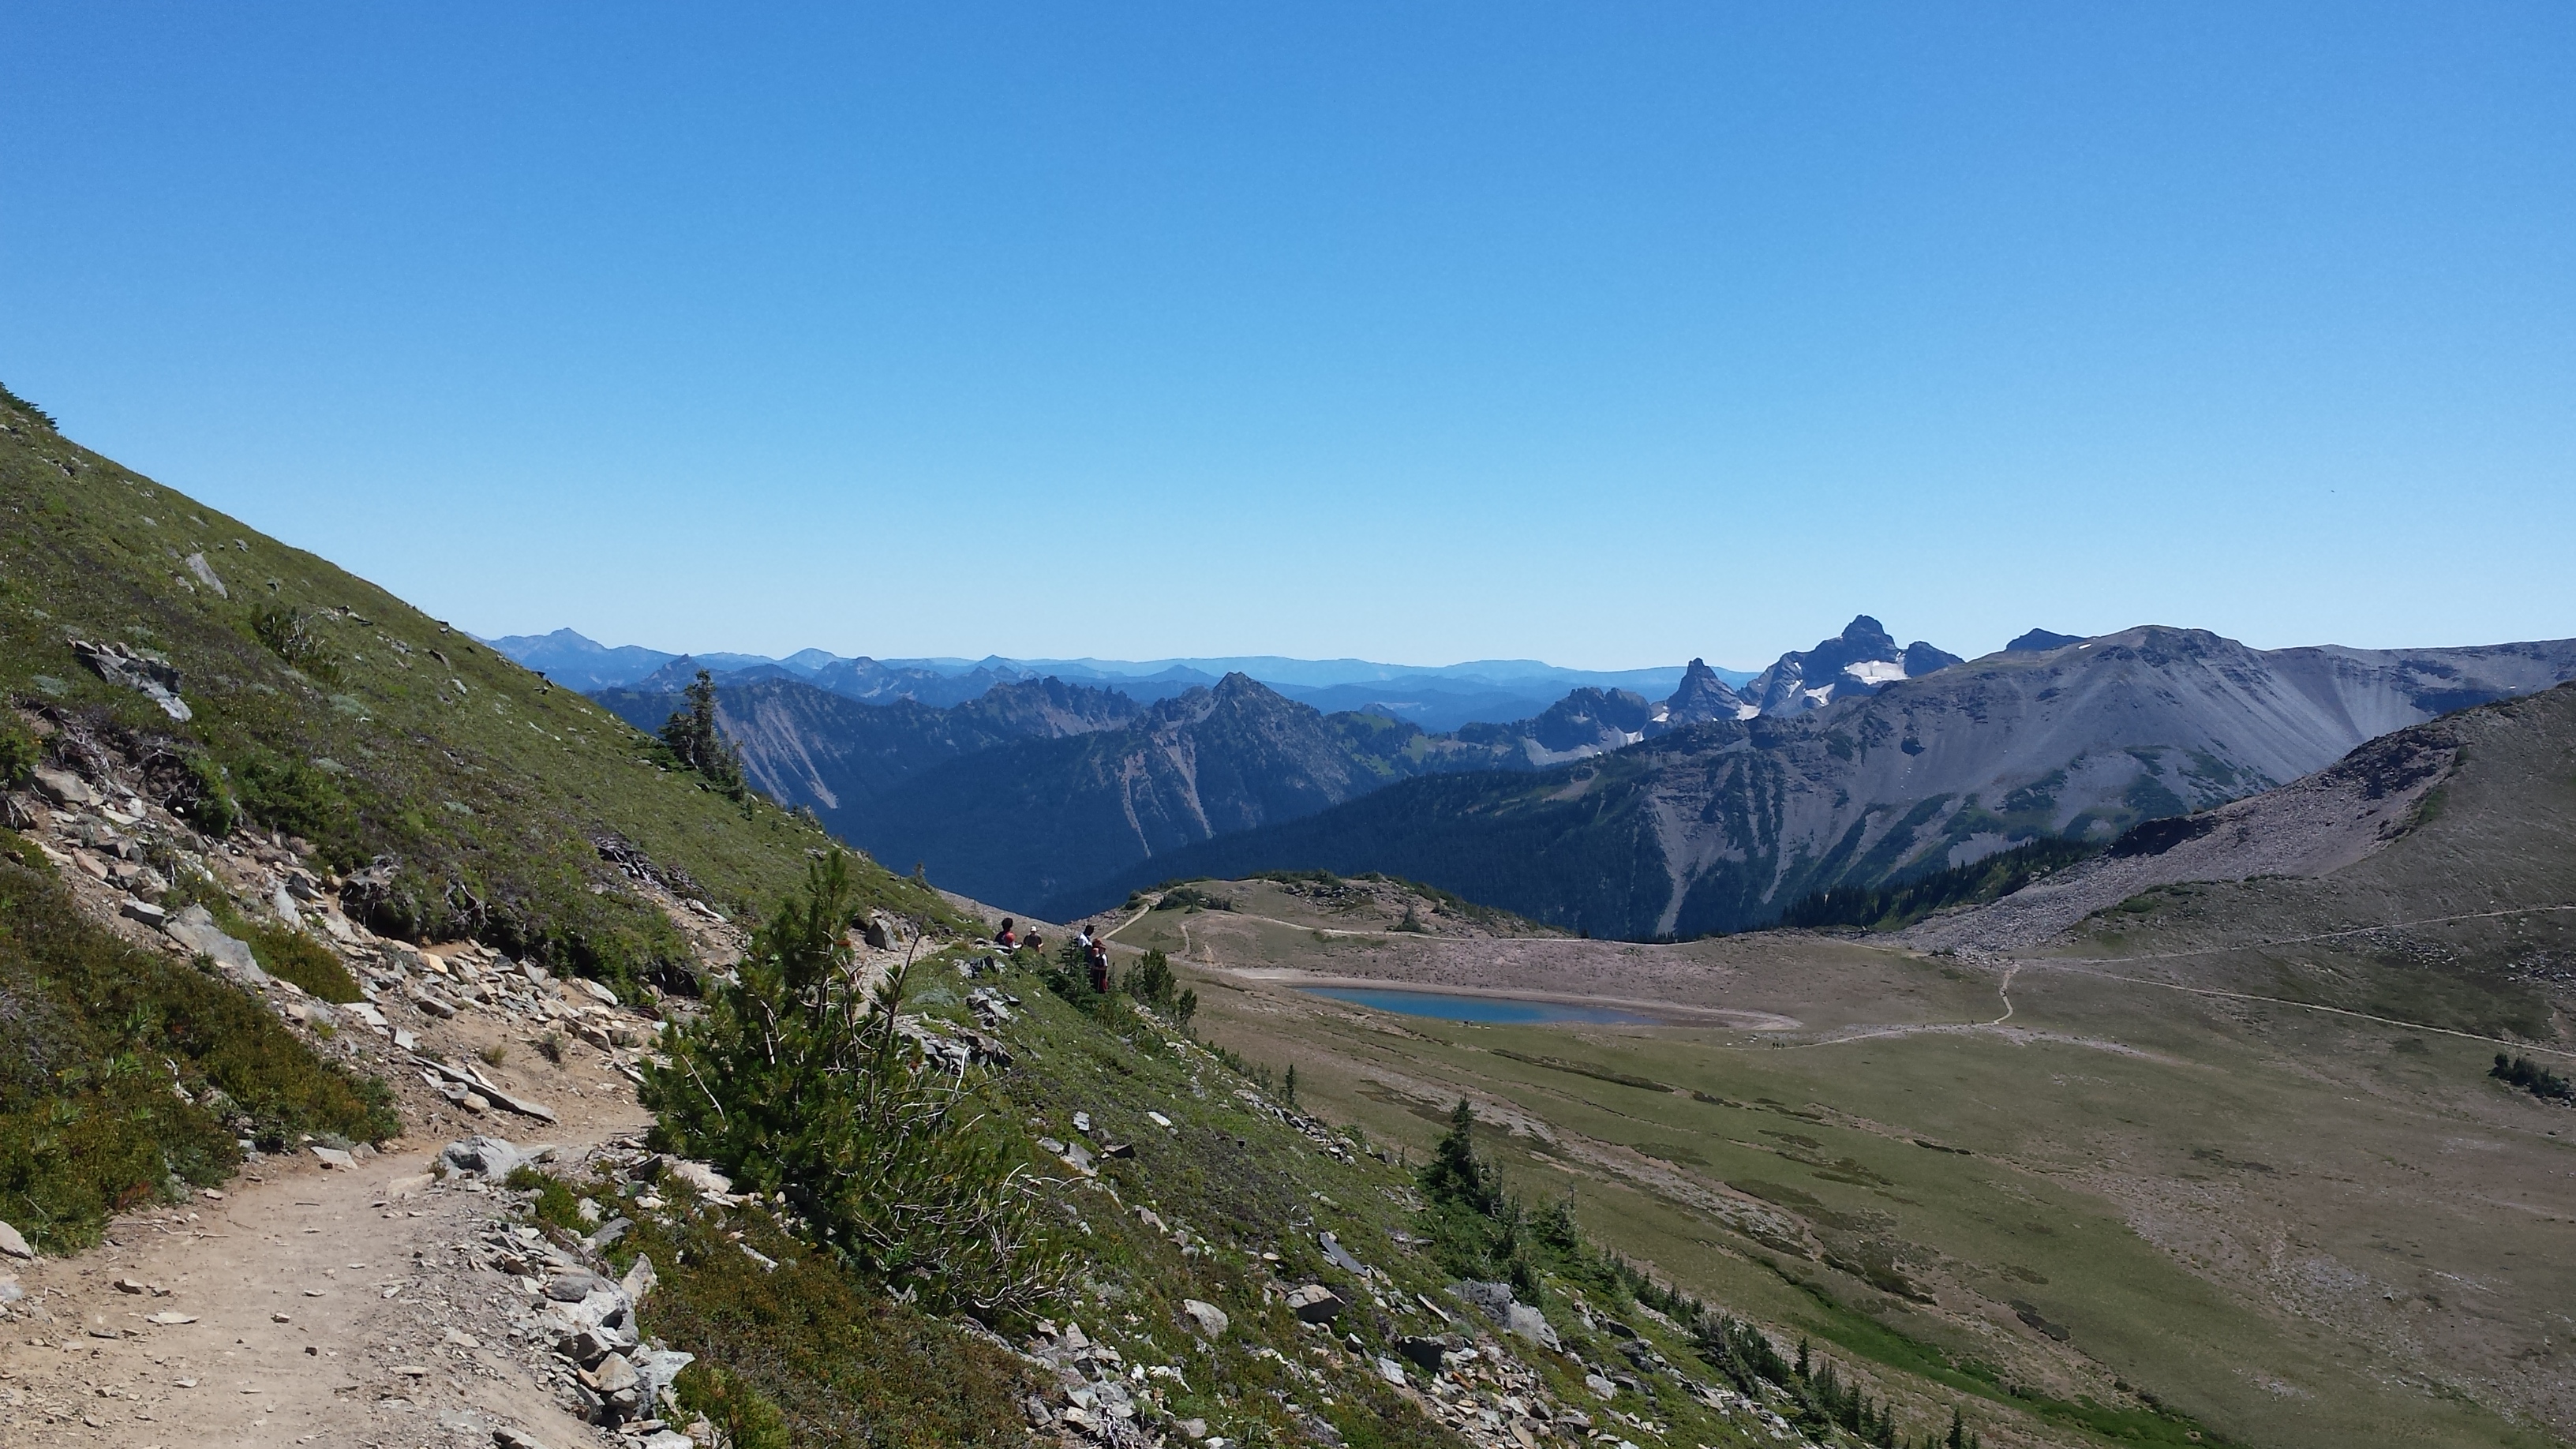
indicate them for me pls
(323, 707)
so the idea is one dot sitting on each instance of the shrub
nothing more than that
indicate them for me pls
(2538, 1080)
(19, 751)
(796, 1081)
(289, 635)
(292, 796)
(204, 800)
(286, 952)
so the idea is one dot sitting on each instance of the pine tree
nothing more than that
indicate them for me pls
(1958, 1431)
(1453, 1175)
(692, 735)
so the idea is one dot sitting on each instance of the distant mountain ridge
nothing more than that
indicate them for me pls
(1719, 825)
(1437, 698)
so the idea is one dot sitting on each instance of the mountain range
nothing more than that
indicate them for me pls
(1719, 825)
(1856, 762)
(1442, 697)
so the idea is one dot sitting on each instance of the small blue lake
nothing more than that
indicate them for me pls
(1494, 1010)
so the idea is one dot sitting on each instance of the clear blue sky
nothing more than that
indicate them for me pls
(1606, 334)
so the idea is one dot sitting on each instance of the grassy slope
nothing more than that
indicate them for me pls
(1231, 1178)
(94, 1037)
(399, 736)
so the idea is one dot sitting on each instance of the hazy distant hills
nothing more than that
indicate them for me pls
(1718, 825)
(1436, 698)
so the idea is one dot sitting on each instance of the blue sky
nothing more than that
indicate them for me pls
(1609, 335)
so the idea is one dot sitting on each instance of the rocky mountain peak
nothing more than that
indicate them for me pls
(2041, 641)
(1702, 696)
(1860, 661)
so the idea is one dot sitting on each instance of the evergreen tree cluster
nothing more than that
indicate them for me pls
(691, 735)
(1153, 982)
(2529, 1075)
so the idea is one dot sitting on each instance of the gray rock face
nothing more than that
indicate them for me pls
(118, 664)
(65, 788)
(205, 573)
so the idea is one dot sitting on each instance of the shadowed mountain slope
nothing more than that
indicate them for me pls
(2475, 811)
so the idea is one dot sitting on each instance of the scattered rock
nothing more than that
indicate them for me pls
(118, 664)
(333, 1157)
(131, 1285)
(513, 1439)
(12, 1245)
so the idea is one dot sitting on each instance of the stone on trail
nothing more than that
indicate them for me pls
(13, 1245)
(482, 1156)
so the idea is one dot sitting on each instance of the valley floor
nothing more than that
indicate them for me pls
(2295, 1226)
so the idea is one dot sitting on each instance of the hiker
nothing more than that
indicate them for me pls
(1033, 942)
(1005, 937)
(1099, 960)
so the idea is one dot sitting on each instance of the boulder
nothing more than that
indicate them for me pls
(481, 1156)
(639, 1280)
(195, 929)
(1495, 1298)
(700, 1176)
(1315, 1303)
(1427, 1352)
(656, 1369)
(1529, 1323)
(12, 1245)
(574, 1287)
(613, 1375)
(65, 788)
(1209, 1319)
